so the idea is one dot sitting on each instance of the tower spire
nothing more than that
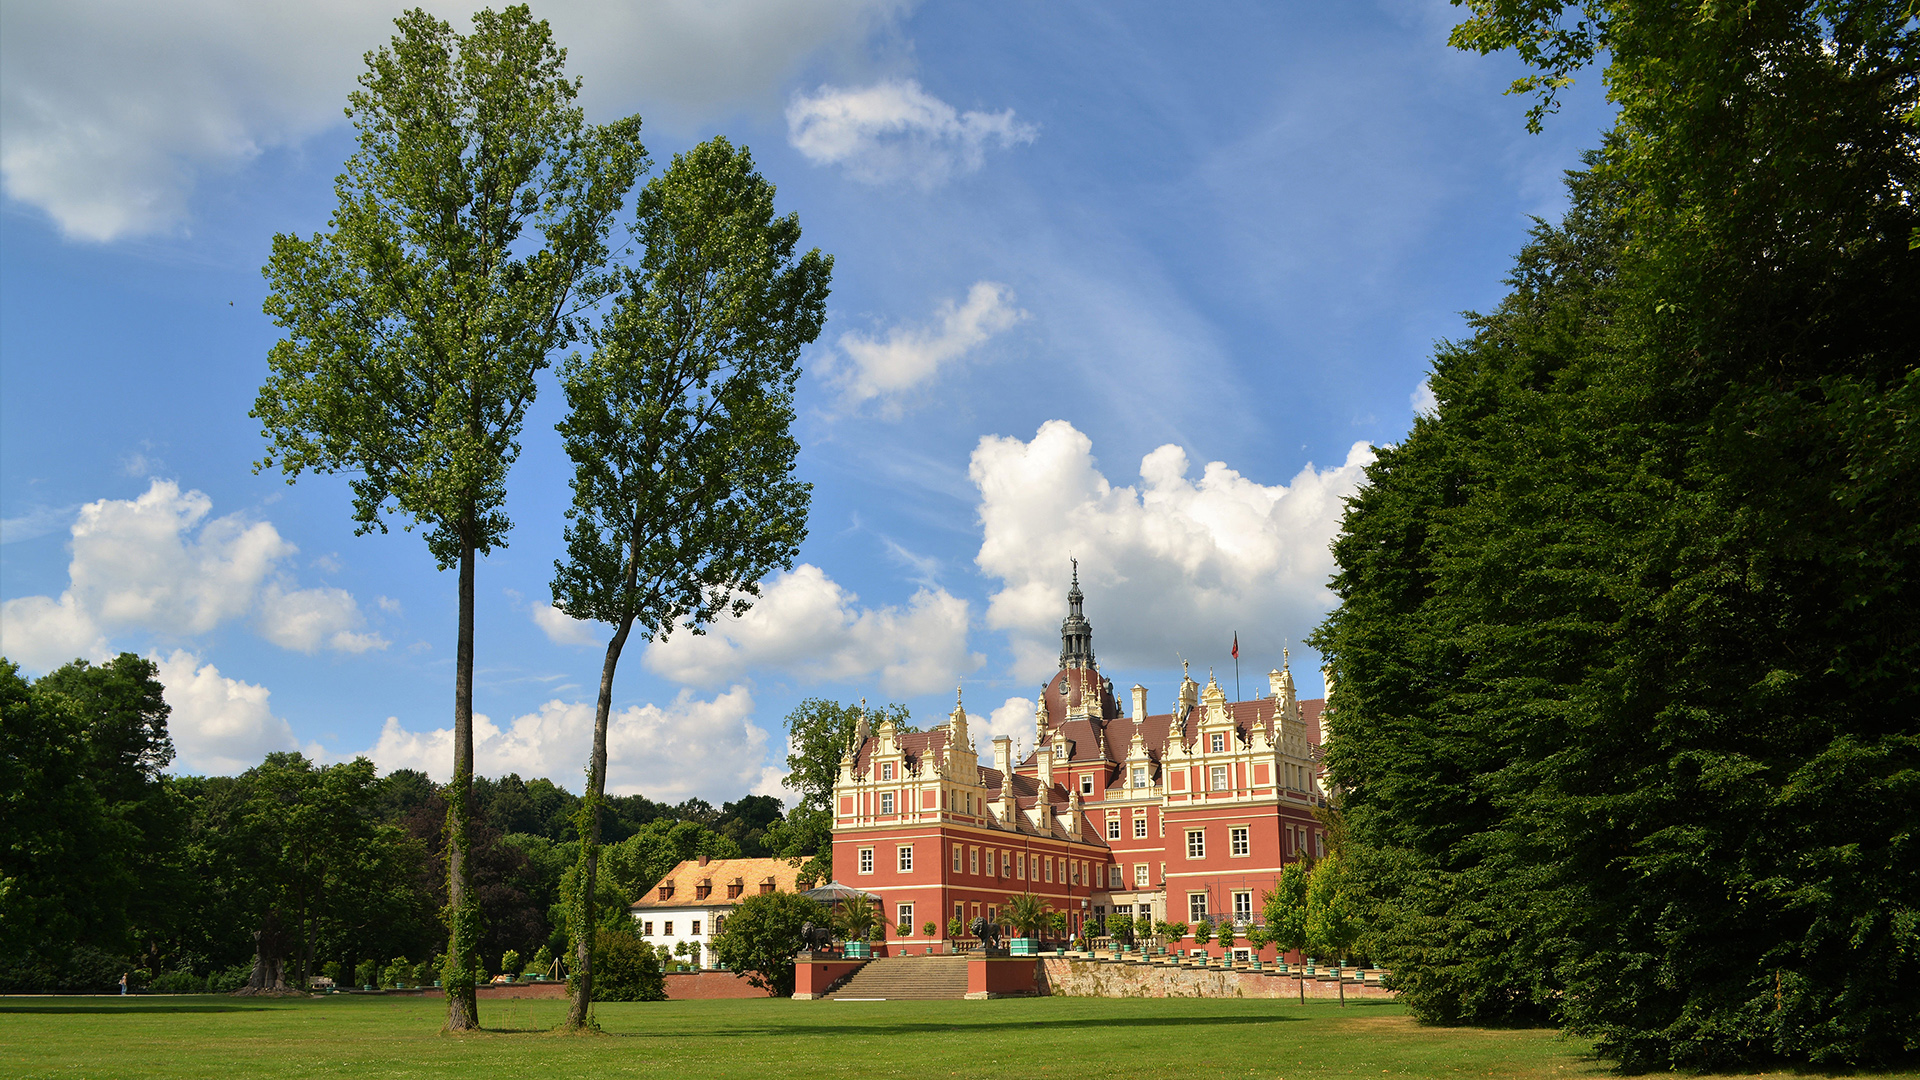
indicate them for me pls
(1076, 633)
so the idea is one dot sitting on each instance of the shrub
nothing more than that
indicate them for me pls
(365, 973)
(399, 972)
(542, 961)
(510, 963)
(178, 982)
(229, 979)
(931, 929)
(762, 937)
(626, 969)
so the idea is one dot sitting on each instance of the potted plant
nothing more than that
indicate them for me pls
(956, 928)
(1030, 918)
(1174, 932)
(931, 929)
(1202, 935)
(1256, 940)
(1226, 944)
(1119, 933)
(857, 921)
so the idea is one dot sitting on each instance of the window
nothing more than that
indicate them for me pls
(906, 858)
(1217, 743)
(1113, 828)
(1196, 907)
(701, 891)
(1046, 866)
(1114, 878)
(960, 912)
(696, 928)
(973, 860)
(719, 923)
(886, 802)
(666, 891)
(956, 858)
(1086, 783)
(1196, 844)
(1020, 866)
(646, 928)
(1217, 777)
(1237, 840)
(1320, 845)
(886, 771)
(1242, 906)
(905, 918)
(733, 893)
(866, 860)
(1006, 864)
(1141, 875)
(1140, 826)
(667, 931)
(1139, 776)
(969, 802)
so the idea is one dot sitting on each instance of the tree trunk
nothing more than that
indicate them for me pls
(584, 922)
(269, 946)
(463, 1004)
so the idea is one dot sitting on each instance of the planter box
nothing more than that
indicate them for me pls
(1023, 946)
(858, 950)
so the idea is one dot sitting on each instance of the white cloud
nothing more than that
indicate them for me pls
(1014, 719)
(805, 623)
(220, 725)
(36, 523)
(1172, 566)
(111, 110)
(1422, 400)
(157, 564)
(911, 356)
(563, 629)
(711, 749)
(895, 131)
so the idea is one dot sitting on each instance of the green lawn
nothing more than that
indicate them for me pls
(122, 1039)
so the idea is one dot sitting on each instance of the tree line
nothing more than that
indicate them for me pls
(1627, 656)
(292, 869)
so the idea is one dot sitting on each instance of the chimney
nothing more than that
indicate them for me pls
(1003, 756)
(1139, 703)
(704, 859)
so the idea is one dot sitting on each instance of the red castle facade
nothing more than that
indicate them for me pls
(1176, 815)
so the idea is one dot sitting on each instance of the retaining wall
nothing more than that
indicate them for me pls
(709, 986)
(1109, 978)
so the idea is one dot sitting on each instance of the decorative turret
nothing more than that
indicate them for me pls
(1076, 633)
(1139, 703)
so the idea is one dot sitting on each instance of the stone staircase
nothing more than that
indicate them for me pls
(907, 978)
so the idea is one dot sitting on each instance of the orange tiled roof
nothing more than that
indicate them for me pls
(685, 880)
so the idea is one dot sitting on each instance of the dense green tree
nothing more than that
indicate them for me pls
(1285, 913)
(746, 822)
(1626, 656)
(763, 936)
(819, 733)
(627, 968)
(472, 224)
(1335, 918)
(679, 425)
(637, 863)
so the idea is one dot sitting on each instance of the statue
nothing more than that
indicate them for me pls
(988, 933)
(816, 938)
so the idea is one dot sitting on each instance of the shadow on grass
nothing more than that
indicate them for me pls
(117, 1008)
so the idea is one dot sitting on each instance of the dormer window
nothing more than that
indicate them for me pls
(766, 886)
(1086, 783)
(1218, 745)
(734, 889)
(666, 892)
(886, 771)
(1139, 776)
(702, 890)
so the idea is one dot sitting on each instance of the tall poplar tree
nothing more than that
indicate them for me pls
(679, 427)
(471, 228)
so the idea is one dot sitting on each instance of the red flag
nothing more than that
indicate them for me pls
(1236, 644)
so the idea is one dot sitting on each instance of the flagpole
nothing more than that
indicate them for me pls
(1236, 667)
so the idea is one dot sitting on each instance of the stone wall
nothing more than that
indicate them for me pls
(709, 986)
(1110, 978)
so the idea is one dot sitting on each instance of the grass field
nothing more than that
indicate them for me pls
(124, 1039)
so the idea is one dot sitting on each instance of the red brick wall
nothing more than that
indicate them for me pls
(709, 986)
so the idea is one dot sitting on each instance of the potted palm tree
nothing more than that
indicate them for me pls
(1030, 918)
(856, 921)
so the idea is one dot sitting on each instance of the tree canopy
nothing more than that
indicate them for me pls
(1626, 661)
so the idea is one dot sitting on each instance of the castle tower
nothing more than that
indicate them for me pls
(1076, 633)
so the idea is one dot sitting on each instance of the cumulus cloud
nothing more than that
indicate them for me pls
(220, 725)
(1422, 400)
(895, 131)
(711, 749)
(1014, 719)
(909, 357)
(805, 623)
(112, 110)
(158, 564)
(563, 629)
(1171, 566)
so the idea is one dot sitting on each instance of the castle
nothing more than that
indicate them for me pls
(1181, 816)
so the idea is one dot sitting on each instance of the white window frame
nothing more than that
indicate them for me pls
(903, 916)
(1086, 783)
(1140, 826)
(1142, 875)
(904, 857)
(886, 770)
(1242, 906)
(1239, 841)
(1046, 867)
(866, 860)
(1139, 776)
(958, 856)
(1217, 743)
(886, 802)
(973, 860)
(1219, 778)
(1196, 843)
(1020, 866)
(1196, 907)
(1113, 828)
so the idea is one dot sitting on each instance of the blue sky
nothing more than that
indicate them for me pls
(1134, 283)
